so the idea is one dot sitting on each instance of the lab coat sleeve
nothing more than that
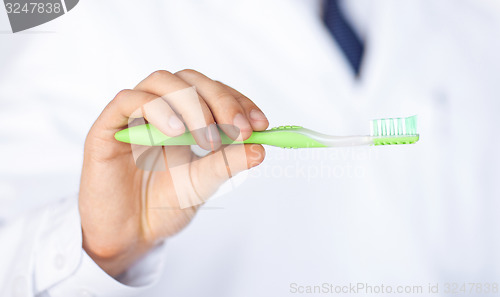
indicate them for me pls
(41, 255)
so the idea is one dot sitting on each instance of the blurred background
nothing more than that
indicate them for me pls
(394, 215)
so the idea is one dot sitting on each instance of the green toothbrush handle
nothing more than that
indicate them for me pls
(284, 136)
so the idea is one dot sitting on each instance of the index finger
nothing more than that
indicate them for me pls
(185, 101)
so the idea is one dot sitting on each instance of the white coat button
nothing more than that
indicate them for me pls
(85, 293)
(20, 287)
(59, 261)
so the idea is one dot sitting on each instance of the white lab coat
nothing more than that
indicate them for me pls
(398, 215)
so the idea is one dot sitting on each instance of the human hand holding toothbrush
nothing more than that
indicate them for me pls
(126, 210)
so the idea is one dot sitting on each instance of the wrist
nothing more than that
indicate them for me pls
(115, 259)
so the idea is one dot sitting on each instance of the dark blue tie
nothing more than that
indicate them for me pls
(344, 34)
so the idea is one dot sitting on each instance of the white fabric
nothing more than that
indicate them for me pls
(42, 256)
(391, 215)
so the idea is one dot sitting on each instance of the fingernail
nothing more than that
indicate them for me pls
(213, 136)
(257, 115)
(175, 123)
(242, 123)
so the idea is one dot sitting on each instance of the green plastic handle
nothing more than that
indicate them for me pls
(283, 136)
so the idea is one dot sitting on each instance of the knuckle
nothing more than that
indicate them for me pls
(219, 83)
(188, 72)
(122, 95)
(247, 103)
(225, 97)
(160, 74)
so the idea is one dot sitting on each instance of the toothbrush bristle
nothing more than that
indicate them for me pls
(394, 130)
(394, 127)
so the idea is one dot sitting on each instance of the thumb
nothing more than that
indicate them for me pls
(210, 172)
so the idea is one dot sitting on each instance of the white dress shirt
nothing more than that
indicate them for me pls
(412, 215)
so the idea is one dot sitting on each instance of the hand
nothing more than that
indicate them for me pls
(125, 210)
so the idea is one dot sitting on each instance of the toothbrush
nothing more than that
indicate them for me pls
(383, 132)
